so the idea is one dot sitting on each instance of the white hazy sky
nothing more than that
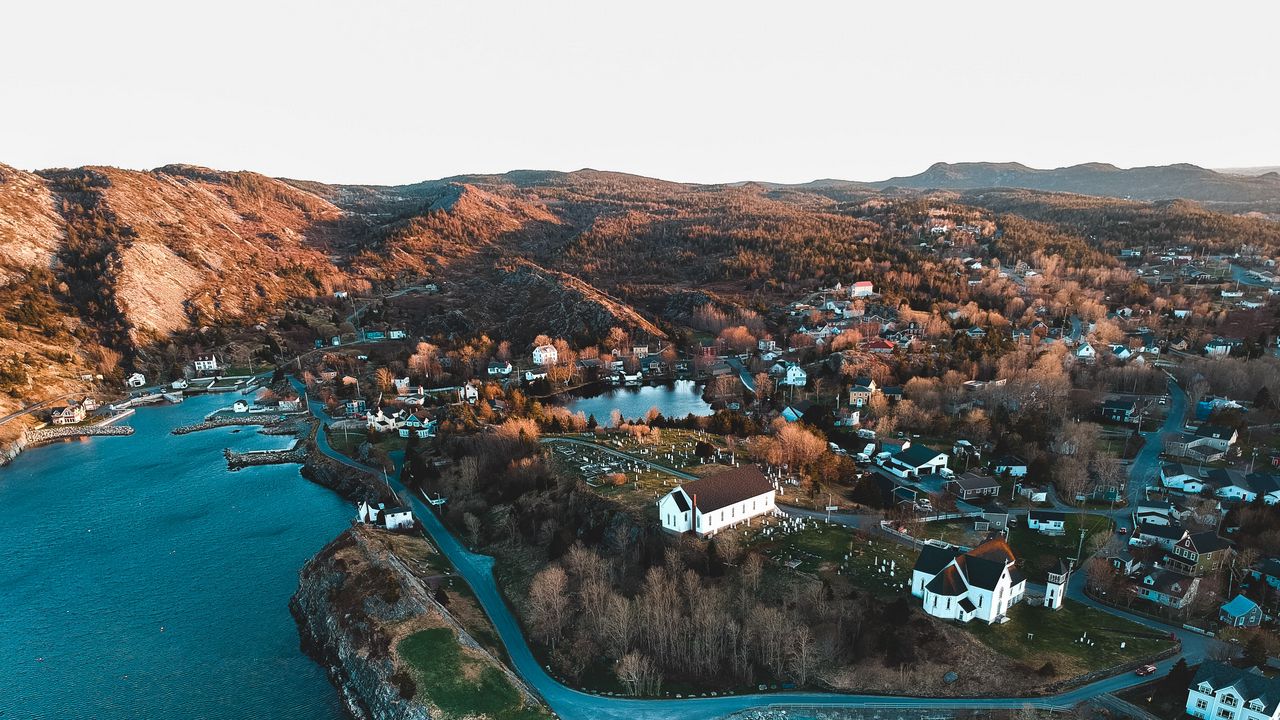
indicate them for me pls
(392, 92)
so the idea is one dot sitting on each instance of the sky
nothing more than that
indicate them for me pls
(397, 92)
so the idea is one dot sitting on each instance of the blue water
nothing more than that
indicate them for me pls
(141, 579)
(674, 400)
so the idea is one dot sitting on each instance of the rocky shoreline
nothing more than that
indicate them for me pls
(356, 599)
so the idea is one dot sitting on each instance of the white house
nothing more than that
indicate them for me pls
(862, 288)
(982, 583)
(545, 355)
(531, 375)
(1011, 465)
(1047, 522)
(379, 421)
(468, 394)
(1159, 535)
(68, 415)
(397, 517)
(1247, 488)
(793, 375)
(367, 512)
(1177, 477)
(240, 406)
(1086, 352)
(914, 461)
(717, 501)
(206, 364)
(499, 368)
(180, 384)
(136, 380)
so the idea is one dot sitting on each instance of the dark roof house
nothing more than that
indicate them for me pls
(728, 487)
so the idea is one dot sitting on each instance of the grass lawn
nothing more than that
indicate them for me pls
(956, 531)
(458, 683)
(1037, 552)
(346, 441)
(1035, 635)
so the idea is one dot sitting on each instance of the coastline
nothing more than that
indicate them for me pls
(46, 435)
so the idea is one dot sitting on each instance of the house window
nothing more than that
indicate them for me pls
(1256, 706)
(1202, 704)
(1226, 714)
(1229, 700)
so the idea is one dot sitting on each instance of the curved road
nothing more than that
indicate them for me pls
(568, 703)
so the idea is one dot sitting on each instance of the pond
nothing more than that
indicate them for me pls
(675, 400)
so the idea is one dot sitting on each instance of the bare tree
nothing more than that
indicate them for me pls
(638, 674)
(549, 603)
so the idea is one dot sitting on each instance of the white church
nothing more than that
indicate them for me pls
(717, 501)
(982, 583)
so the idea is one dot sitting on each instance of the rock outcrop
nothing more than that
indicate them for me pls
(347, 481)
(356, 600)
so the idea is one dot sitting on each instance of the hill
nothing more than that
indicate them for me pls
(105, 270)
(1165, 182)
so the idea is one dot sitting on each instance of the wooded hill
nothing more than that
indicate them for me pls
(100, 267)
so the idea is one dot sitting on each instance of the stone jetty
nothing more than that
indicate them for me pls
(228, 421)
(49, 434)
(237, 460)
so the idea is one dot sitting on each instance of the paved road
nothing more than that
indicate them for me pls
(571, 704)
(1147, 463)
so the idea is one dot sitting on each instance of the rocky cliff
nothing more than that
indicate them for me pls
(358, 599)
(348, 482)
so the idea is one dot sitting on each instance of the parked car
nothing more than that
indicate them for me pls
(1146, 670)
(1123, 530)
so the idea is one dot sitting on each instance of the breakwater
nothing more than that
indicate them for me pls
(52, 434)
(237, 460)
(217, 422)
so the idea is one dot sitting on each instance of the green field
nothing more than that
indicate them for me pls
(1037, 552)
(459, 685)
(1036, 635)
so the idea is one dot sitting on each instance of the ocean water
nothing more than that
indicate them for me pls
(141, 579)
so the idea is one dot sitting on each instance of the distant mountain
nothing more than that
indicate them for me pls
(1162, 182)
(1252, 171)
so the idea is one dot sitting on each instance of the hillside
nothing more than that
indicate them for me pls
(1167, 182)
(106, 271)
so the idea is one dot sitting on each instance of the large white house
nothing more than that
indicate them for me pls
(545, 355)
(982, 583)
(915, 460)
(793, 375)
(717, 501)
(206, 364)
(1221, 692)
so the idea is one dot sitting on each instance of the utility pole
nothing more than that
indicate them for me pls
(1080, 549)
